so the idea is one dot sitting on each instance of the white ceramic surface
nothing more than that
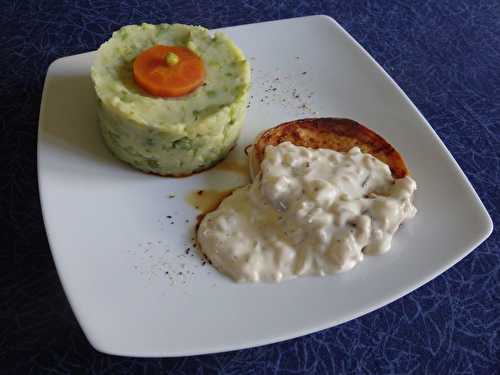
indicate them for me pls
(113, 243)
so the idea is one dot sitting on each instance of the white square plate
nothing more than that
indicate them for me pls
(122, 260)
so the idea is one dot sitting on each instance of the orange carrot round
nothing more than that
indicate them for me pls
(168, 71)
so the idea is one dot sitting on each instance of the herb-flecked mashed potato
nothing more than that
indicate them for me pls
(171, 135)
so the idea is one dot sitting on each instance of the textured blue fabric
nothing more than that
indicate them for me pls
(446, 57)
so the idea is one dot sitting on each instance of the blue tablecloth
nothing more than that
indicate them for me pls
(444, 54)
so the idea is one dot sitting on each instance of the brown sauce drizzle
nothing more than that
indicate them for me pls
(206, 201)
(232, 166)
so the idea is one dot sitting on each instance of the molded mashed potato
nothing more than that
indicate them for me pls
(171, 136)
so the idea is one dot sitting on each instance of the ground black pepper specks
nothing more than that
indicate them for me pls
(172, 260)
(178, 266)
(291, 91)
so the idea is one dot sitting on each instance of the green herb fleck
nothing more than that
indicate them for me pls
(153, 163)
(191, 45)
(183, 144)
(125, 97)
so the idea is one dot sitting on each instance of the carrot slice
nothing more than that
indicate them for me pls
(168, 71)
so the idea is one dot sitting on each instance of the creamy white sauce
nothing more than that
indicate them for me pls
(307, 212)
